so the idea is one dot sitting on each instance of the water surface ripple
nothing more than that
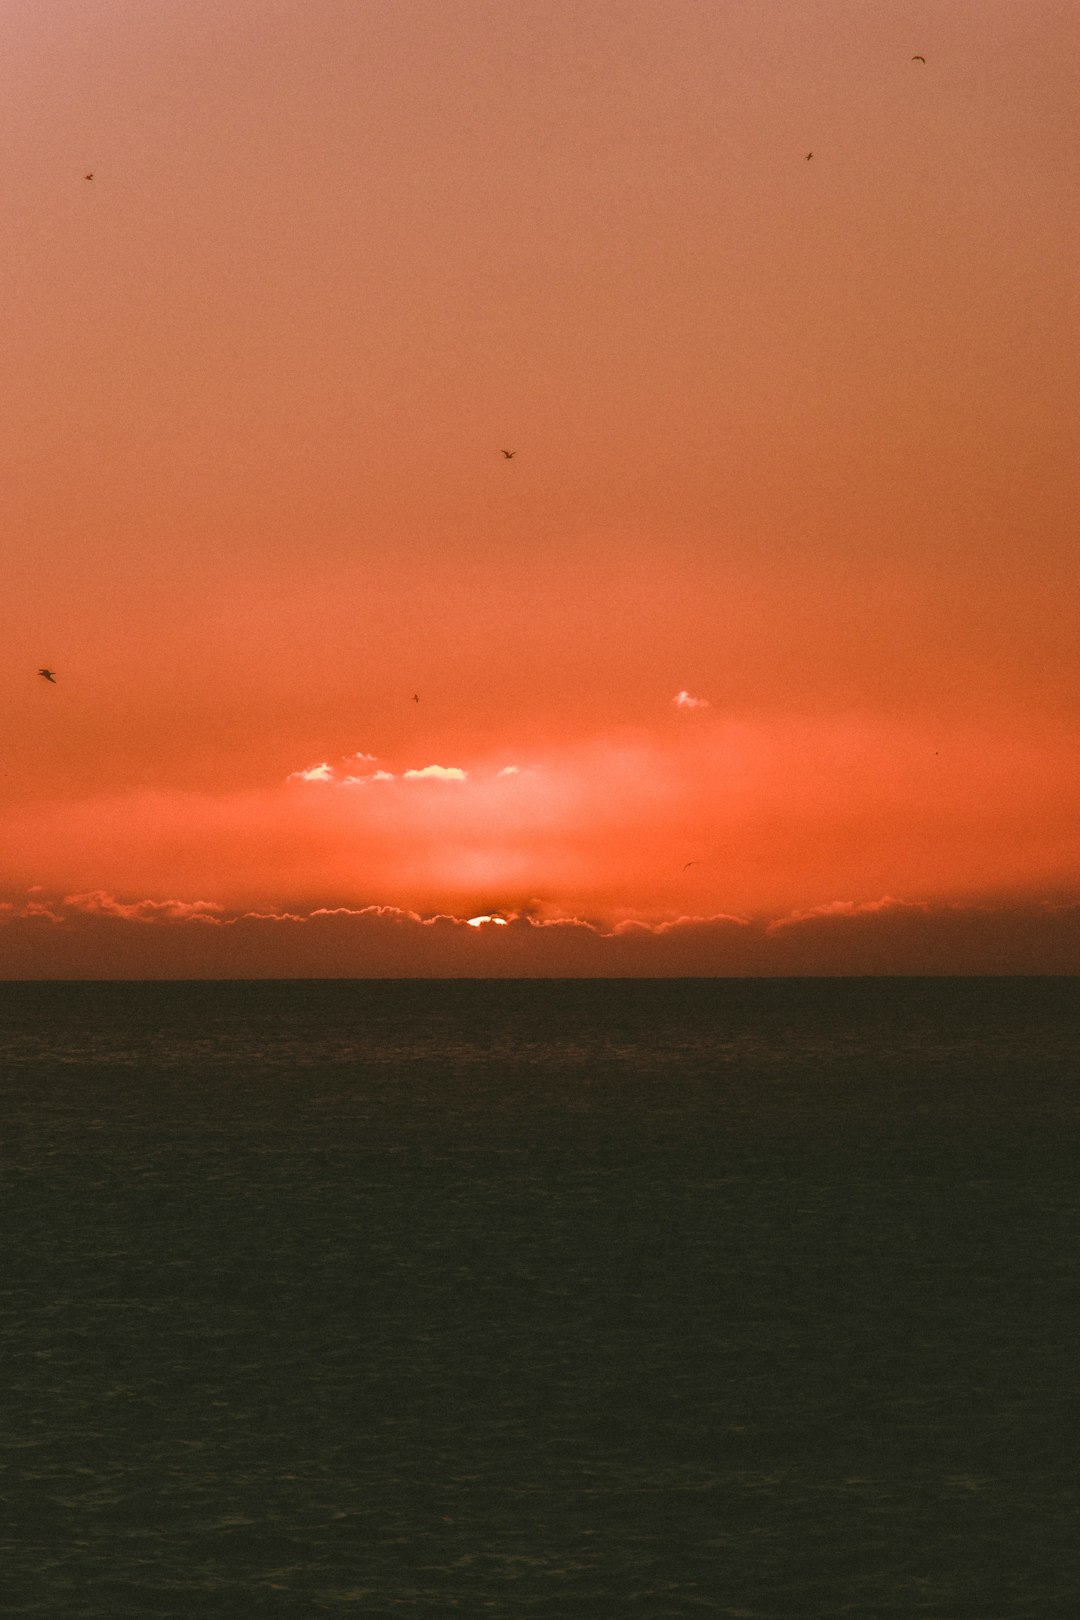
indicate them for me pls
(743, 1298)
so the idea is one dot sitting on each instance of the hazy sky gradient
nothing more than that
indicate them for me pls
(796, 437)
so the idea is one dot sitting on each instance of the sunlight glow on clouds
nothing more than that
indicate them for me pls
(436, 773)
(683, 700)
(843, 908)
(97, 935)
(763, 816)
(348, 776)
(314, 773)
(101, 904)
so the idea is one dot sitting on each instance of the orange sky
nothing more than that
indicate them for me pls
(795, 438)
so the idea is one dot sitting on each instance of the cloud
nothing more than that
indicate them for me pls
(98, 903)
(346, 775)
(356, 778)
(754, 816)
(436, 773)
(97, 935)
(101, 904)
(314, 773)
(844, 908)
(683, 700)
(27, 910)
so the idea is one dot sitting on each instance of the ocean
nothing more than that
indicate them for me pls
(545, 1299)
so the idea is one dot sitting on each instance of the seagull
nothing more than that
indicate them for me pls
(47, 675)
(921, 59)
(509, 454)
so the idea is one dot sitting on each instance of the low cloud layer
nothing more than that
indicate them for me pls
(804, 823)
(97, 935)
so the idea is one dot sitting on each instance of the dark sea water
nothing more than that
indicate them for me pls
(749, 1298)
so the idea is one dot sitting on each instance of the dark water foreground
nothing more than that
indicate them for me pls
(540, 1299)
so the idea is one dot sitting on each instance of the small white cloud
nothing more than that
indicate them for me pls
(369, 776)
(510, 770)
(436, 773)
(314, 773)
(683, 700)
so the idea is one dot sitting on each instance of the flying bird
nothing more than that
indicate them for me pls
(416, 697)
(690, 863)
(921, 59)
(509, 454)
(47, 675)
(809, 155)
(88, 176)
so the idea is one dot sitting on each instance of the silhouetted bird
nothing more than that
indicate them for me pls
(690, 863)
(88, 177)
(416, 697)
(47, 674)
(921, 59)
(509, 454)
(809, 155)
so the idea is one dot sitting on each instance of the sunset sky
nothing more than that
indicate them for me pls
(760, 655)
